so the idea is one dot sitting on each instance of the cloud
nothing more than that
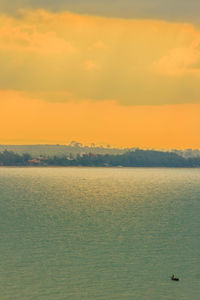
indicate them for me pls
(183, 60)
(179, 10)
(99, 45)
(22, 36)
(129, 61)
(91, 65)
(179, 62)
(19, 39)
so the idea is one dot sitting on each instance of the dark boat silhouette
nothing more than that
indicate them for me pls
(174, 278)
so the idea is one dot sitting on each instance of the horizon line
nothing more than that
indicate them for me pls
(104, 146)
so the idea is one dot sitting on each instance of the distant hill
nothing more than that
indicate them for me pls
(76, 148)
(60, 150)
(187, 153)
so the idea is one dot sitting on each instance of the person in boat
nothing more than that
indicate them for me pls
(174, 278)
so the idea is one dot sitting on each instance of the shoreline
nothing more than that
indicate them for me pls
(104, 167)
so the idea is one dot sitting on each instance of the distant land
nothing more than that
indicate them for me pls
(76, 154)
(75, 148)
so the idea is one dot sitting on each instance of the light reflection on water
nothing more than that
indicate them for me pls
(99, 233)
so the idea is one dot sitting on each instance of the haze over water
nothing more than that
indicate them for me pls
(99, 233)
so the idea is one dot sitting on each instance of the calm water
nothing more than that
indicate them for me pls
(99, 233)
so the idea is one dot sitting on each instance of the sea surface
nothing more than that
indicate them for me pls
(99, 233)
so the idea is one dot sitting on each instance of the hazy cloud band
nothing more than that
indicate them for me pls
(179, 10)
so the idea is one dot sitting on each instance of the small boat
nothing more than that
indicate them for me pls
(174, 278)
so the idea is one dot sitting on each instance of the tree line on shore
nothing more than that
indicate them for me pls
(137, 158)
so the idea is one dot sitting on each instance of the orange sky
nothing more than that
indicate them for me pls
(94, 79)
(37, 121)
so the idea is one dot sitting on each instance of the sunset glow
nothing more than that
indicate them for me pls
(125, 82)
